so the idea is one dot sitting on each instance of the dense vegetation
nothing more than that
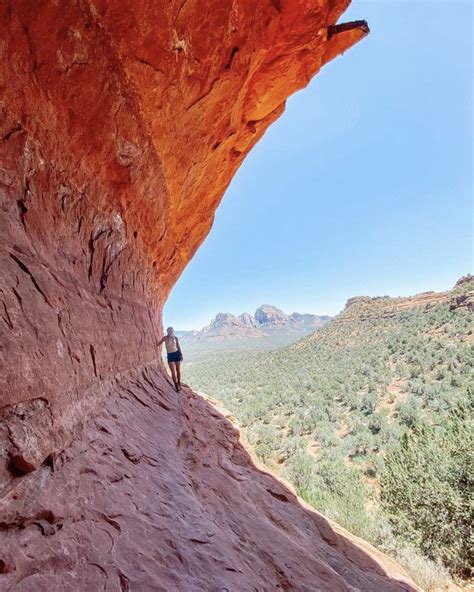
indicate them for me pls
(427, 487)
(370, 418)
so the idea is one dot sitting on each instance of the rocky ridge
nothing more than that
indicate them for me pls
(390, 305)
(266, 319)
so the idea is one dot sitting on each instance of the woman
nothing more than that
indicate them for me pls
(174, 355)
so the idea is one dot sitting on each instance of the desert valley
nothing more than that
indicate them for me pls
(372, 409)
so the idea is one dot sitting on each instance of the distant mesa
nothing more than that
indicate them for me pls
(224, 322)
(267, 319)
(270, 315)
(463, 298)
(422, 297)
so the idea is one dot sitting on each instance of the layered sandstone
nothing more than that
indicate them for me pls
(384, 306)
(122, 123)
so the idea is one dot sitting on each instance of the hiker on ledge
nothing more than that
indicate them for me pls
(174, 355)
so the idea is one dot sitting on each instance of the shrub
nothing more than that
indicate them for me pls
(429, 575)
(426, 487)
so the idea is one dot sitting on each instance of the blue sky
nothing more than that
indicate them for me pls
(363, 187)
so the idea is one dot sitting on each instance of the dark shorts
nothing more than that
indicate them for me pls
(174, 356)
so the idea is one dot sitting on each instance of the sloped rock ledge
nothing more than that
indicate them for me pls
(158, 494)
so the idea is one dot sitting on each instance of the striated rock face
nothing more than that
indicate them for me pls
(247, 320)
(121, 125)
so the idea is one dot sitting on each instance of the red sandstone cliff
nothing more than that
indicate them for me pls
(121, 125)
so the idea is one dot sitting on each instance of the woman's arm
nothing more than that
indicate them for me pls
(179, 349)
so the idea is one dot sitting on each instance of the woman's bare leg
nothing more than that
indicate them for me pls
(178, 373)
(172, 366)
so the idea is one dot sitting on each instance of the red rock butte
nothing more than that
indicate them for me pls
(122, 123)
